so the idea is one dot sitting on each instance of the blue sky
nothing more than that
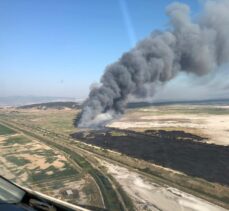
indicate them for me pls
(60, 47)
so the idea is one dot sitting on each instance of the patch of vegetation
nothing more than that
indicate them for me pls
(5, 130)
(48, 154)
(57, 173)
(17, 160)
(16, 140)
(88, 190)
(50, 159)
(117, 133)
(56, 184)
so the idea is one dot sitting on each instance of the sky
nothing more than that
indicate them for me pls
(61, 47)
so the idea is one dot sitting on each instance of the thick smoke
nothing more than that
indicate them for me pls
(197, 47)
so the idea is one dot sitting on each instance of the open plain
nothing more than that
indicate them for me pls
(142, 161)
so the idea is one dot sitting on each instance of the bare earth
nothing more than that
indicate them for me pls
(147, 195)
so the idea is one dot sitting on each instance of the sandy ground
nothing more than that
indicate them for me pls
(5, 171)
(147, 195)
(2, 138)
(214, 127)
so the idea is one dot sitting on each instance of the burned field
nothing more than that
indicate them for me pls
(176, 150)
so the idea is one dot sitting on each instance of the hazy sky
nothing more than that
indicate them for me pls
(60, 47)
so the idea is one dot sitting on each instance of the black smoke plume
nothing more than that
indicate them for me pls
(197, 46)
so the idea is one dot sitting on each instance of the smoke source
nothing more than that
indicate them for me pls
(197, 47)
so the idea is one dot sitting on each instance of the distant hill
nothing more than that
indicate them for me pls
(55, 105)
(15, 101)
(78, 105)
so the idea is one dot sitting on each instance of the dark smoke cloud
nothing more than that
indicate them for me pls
(198, 47)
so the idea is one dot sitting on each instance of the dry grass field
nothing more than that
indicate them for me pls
(59, 121)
